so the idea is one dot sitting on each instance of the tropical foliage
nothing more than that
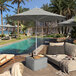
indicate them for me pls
(63, 7)
(45, 7)
(20, 10)
(26, 25)
(18, 2)
(9, 21)
(22, 23)
(3, 7)
(73, 32)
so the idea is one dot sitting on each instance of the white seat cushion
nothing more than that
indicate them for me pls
(56, 58)
(57, 44)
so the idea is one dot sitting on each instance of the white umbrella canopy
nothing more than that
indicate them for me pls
(70, 22)
(8, 26)
(36, 15)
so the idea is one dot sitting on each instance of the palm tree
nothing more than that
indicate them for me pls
(21, 10)
(45, 7)
(9, 21)
(18, 2)
(4, 7)
(57, 6)
(63, 7)
(69, 10)
(26, 25)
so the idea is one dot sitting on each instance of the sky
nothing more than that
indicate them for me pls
(31, 4)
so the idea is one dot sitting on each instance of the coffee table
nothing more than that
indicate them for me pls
(36, 64)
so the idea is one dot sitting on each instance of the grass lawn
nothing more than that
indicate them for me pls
(2, 42)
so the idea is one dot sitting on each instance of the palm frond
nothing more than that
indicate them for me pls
(23, 2)
(15, 1)
(8, 5)
(5, 8)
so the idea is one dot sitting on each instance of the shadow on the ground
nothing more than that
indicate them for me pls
(55, 66)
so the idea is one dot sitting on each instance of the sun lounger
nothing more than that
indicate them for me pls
(6, 38)
(5, 58)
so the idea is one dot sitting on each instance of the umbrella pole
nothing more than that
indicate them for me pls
(34, 52)
(8, 31)
(36, 33)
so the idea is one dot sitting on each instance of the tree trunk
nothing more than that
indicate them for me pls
(61, 12)
(58, 30)
(42, 31)
(62, 29)
(62, 26)
(46, 28)
(2, 20)
(69, 13)
(18, 21)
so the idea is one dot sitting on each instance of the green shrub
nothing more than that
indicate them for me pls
(18, 38)
(13, 33)
(59, 35)
(73, 33)
(2, 35)
(55, 35)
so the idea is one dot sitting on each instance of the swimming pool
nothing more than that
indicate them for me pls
(22, 47)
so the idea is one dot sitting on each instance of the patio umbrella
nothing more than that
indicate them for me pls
(8, 26)
(37, 15)
(70, 22)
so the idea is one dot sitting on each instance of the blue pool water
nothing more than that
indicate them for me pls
(19, 47)
(22, 47)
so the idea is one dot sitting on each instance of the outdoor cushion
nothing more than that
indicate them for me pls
(70, 49)
(68, 65)
(5, 57)
(56, 48)
(6, 73)
(17, 69)
(57, 44)
(56, 58)
(71, 65)
(2, 57)
(8, 56)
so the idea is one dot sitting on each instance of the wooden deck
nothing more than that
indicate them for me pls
(9, 64)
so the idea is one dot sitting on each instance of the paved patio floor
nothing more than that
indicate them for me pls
(51, 69)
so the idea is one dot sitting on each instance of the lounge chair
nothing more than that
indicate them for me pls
(63, 55)
(5, 58)
(6, 38)
(14, 36)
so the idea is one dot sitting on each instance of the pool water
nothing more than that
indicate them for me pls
(22, 47)
(19, 47)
